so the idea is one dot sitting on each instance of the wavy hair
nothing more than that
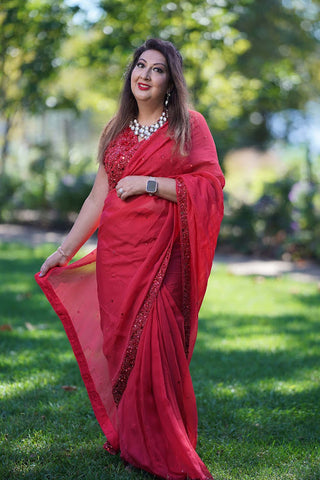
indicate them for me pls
(178, 114)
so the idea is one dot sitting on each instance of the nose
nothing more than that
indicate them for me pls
(146, 74)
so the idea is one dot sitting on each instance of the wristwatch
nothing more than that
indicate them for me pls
(152, 186)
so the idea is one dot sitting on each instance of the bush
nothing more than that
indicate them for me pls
(284, 220)
(8, 186)
(71, 193)
(305, 200)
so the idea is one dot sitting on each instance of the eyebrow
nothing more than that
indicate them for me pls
(157, 63)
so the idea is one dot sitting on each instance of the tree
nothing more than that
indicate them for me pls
(30, 37)
(203, 32)
(244, 60)
(284, 55)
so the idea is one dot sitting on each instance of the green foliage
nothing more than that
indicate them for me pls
(255, 371)
(30, 35)
(35, 191)
(244, 60)
(285, 219)
(305, 200)
(284, 55)
(72, 192)
(8, 186)
(52, 186)
(202, 31)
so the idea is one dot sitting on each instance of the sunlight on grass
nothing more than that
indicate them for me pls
(255, 371)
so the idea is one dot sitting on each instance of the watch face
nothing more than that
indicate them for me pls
(152, 186)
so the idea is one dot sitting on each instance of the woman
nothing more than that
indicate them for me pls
(130, 308)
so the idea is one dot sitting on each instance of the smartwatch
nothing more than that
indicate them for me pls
(152, 186)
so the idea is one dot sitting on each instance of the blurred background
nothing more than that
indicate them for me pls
(253, 71)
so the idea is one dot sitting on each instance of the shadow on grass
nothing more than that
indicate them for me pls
(71, 460)
(258, 402)
(299, 350)
(310, 300)
(253, 404)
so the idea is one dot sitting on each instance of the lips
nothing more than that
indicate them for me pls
(143, 86)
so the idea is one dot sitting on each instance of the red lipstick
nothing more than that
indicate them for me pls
(143, 86)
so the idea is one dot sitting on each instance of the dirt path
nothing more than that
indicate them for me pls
(237, 264)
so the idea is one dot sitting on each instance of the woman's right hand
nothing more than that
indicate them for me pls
(56, 259)
(84, 226)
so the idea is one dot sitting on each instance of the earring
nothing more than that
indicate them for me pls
(166, 103)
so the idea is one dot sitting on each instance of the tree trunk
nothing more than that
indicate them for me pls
(5, 145)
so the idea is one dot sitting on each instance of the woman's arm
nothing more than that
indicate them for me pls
(85, 225)
(136, 185)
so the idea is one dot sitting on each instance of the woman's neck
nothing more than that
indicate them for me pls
(148, 116)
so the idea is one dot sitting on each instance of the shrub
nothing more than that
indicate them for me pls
(8, 186)
(71, 192)
(285, 219)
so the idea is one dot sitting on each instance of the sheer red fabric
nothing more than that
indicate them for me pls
(130, 308)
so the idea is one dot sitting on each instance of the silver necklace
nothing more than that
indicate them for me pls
(145, 132)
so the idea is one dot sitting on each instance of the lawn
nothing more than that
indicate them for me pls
(255, 370)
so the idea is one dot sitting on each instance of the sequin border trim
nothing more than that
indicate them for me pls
(182, 197)
(136, 332)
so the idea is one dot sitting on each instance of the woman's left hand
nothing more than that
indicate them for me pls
(131, 185)
(137, 185)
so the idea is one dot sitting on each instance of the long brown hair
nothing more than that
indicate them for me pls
(178, 118)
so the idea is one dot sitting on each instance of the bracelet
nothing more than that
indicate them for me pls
(59, 249)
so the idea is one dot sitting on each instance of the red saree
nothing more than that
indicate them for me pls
(130, 308)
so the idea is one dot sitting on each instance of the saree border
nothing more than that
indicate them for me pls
(182, 198)
(129, 360)
(96, 402)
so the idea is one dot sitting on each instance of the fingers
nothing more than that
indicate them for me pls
(54, 260)
(44, 269)
(124, 191)
(131, 185)
(123, 188)
(120, 192)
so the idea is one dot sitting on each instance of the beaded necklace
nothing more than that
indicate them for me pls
(145, 132)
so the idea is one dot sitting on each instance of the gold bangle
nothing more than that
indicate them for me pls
(59, 249)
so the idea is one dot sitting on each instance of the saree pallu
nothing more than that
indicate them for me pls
(130, 308)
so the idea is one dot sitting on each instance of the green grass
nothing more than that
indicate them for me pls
(255, 371)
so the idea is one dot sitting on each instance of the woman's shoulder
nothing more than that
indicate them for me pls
(197, 121)
(196, 118)
(194, 114)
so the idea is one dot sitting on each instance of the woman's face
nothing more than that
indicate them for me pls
(150, 79)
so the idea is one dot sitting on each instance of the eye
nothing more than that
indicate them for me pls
(158, 69)
(140, 65)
